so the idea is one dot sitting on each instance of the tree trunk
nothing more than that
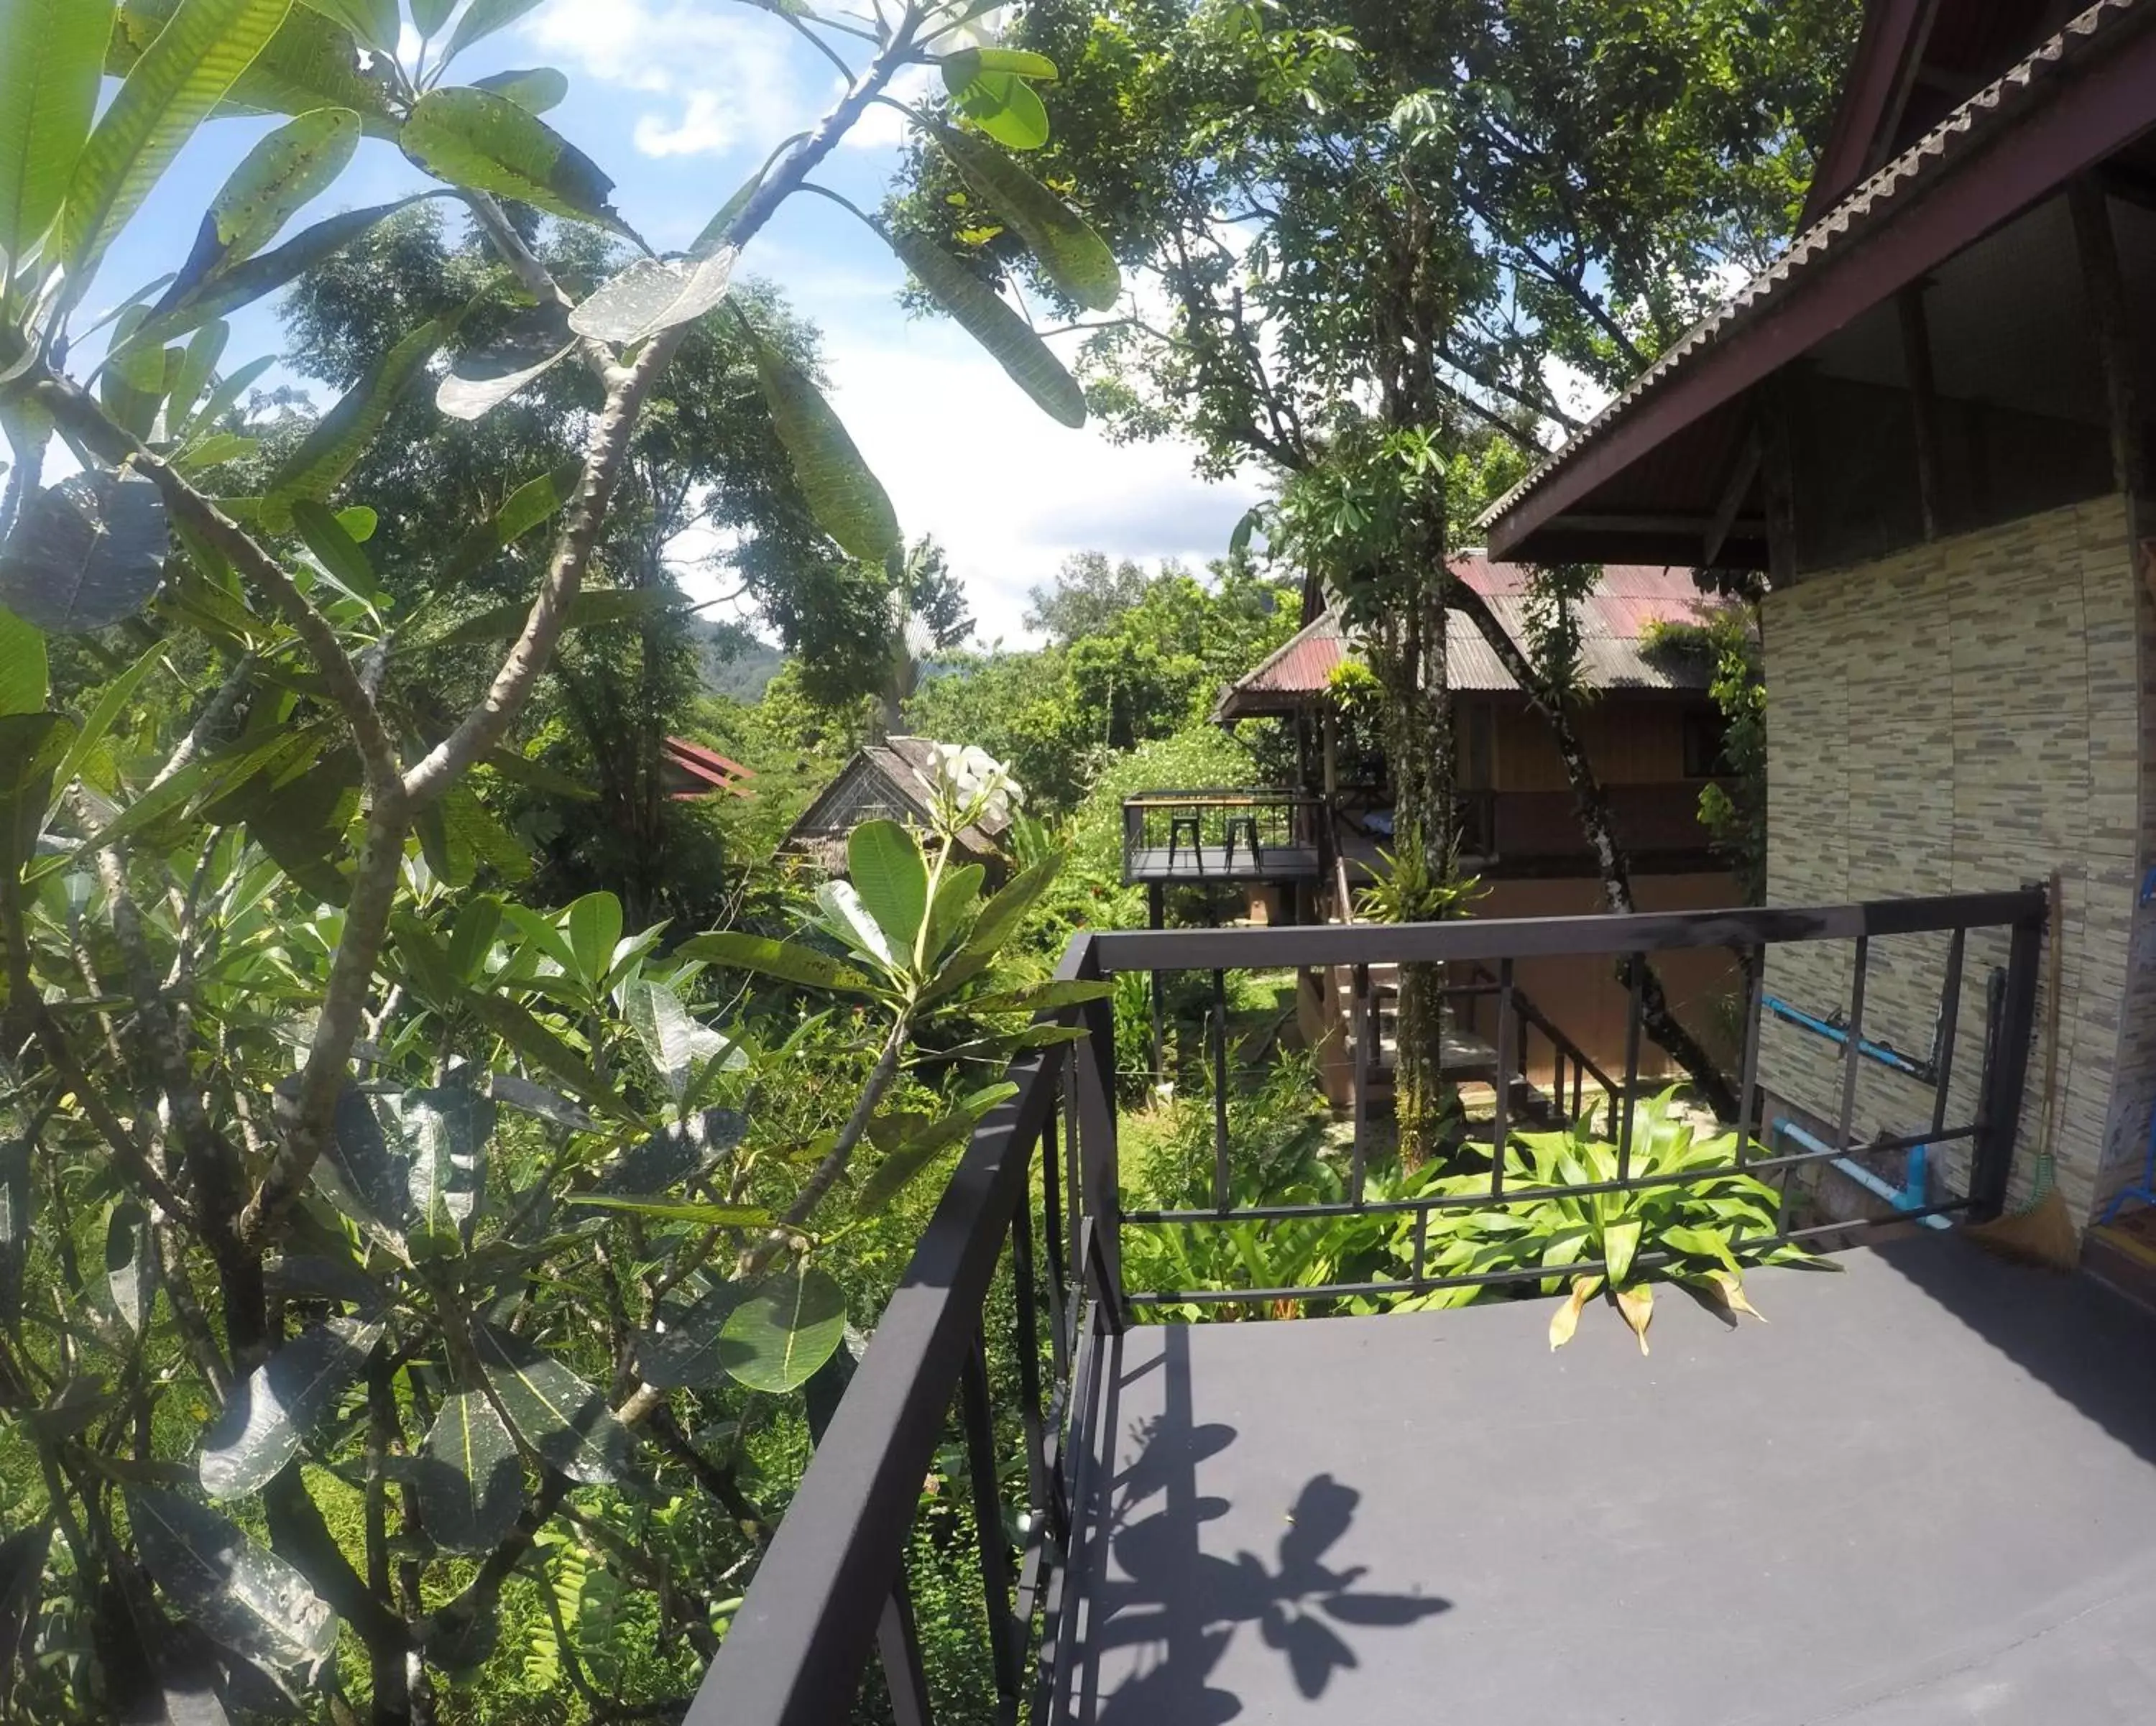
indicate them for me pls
(1655, 1018)
(1419, 712)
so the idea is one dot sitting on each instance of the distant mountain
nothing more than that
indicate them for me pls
(735, 662)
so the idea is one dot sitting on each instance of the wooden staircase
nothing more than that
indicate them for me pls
(1466, 1058)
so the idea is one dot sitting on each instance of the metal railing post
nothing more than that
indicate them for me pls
(1093, 1069)
(2007, 1067)
(897, 1638)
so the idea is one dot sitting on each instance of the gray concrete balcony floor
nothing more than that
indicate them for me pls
(1924, 1493)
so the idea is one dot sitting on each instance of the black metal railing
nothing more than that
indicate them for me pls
(1038, 1186)
(1223, 833)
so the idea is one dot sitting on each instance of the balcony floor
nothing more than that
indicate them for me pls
(1925, 1493)
(1189, 863)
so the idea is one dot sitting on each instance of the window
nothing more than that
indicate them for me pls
(1705, 734)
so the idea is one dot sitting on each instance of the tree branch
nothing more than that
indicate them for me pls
(344, 1008)
(69, 406)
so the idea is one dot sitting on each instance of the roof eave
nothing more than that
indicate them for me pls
(2059, 126)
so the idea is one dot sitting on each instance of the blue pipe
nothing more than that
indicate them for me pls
(1879, 1051)
(1911, 1195)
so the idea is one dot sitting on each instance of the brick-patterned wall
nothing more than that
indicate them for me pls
(1961, 716)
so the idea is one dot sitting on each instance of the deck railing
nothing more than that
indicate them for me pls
(1038, 1186)
(1223, 833)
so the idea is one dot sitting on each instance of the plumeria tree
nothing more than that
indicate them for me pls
(361, 1228)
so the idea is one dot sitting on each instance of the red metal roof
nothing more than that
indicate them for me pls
(710, 771)
(1626, 599)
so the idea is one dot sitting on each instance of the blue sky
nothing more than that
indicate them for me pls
(679, 100)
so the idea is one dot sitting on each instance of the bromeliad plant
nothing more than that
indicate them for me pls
(312, 1160)
(1701, 1234)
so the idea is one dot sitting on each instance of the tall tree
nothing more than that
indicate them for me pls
(1089, 593)
(706, 483)
(1383, 235)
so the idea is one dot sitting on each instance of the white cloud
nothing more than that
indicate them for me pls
(713, 78)
(1579, 395)
(1009, 493)
(883, 127)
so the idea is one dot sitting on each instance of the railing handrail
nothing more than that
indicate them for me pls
(1485, 938)
(792, 1654)
(1223, 794)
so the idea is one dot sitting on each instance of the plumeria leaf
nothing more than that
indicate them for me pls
(905, 1159)
(846, 499)
(241, 1595)
(884, 864)
(51, 53)
(486, 143)
(129, 1267)
(652, 296)
(485, 378)
(560, 1416)
(676, 1042)
(469, 1481)
(85, 553)
(849, 920)
(1010, 341)
(1075, 258)
(683, 1353)
(275, 1407)
(537, 89)
(788, 960)
(789, 1326)
(168, 92)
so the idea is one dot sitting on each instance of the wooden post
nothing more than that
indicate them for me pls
(2105, 284)
(1734, 490)
(1332, 733)
(1778, 465)
(1923, 405)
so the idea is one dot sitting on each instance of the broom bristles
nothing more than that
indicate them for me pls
(2043, 1234)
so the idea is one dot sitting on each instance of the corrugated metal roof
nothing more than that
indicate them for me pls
(1626, 599)
(1874, 201)
(906, 766)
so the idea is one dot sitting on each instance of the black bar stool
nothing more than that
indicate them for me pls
(1178, 827)
(1244, 827)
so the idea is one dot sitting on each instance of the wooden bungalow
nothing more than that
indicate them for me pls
(1302, 853)
(1928, 423)
(893, 781)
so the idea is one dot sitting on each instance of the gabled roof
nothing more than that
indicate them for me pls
(903, 769)
(2081, 96)
(1615, 619)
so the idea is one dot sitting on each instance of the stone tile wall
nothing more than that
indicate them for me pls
(1962, 716)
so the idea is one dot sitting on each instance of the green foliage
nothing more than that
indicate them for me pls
(1276, 1130)
(346, 1180)
(1136, 659)
(1734, 813)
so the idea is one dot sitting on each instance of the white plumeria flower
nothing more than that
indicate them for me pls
(972, 786)
(984, 30)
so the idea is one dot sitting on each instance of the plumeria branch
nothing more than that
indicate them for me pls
(374, 883)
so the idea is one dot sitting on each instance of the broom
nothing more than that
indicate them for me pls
(2042, 1233)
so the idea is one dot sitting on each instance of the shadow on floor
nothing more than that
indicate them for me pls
(1167, 1611)
(2089, 1346)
